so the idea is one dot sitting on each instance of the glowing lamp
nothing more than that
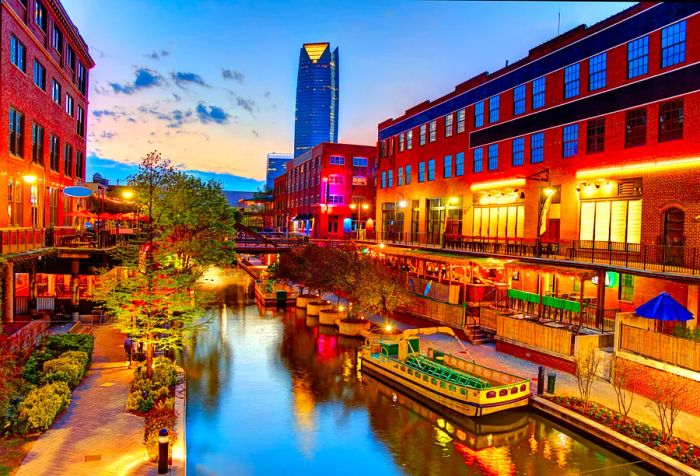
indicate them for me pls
(402, 204)
(353, 206)
(548, 191)
(381, 246)
(388, 327)
(29, 178)
(453, 200)
(128, 194)
(365, 206)
(341, 308)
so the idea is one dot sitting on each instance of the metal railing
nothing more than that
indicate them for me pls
(17, 240)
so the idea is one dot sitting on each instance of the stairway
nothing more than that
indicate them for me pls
(476, 335)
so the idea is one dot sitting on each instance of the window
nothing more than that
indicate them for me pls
(595, 135)
(636, 127)
(422, 134)
(408, 175)
(14, 199)
(518, 151)
(357, 180)
(39, 75)
(459, 164)
(461, 116)
(448, 166)
(431, 170)
(409, 140)
(493, 157)
(597, 71)
(571, 81)
(537, 148)
(618, 221)
(18, 53)
(54, 153)
(57, 40)
(671, 120)
(37, 144)
(402, 142)
(53, 206)
(334, 179)
(538, 93)
(479, 114)
(390, 178)
(359, 162)
(498, 221)
(519, 100)
(673, 44)
(399, 177)
(494, 108)
(69, 105)
(478, 160)
(570, 141)
(82, 78)
(70, 58)
(421, 172)
(79, 165)
(335, 199)
(448, 125)
(626, 287)
(40, 15)
(80, 125)
(68, 160)
(637, 57)
(55, 91)
(16, 143)
(433, 131)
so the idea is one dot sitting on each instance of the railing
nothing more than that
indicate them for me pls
(664, 348)
(17, 240)
(536, 335)
(452, 315)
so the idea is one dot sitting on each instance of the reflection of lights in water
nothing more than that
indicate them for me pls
(493, 461)
(489, 439)
(547, 450)
(211, 276)
(533, 444)
(441, 438)
(304, 414)
(461, 435)
(441, 423)
(326, 347)
(448, 426)
(224, 323)
(347, 367)
(563, 447)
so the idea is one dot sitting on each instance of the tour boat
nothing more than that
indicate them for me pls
(462, 386)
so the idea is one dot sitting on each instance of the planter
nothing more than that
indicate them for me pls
(314, 308)
(311, 321)
(304, 299)
(353, 327)
(328, 317)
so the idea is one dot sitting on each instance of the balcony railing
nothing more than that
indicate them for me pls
(18, 240)
(650, 257)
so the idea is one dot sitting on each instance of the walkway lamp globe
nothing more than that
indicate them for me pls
(365, 206)
(402, 204)
(353, 206)
(127, 194)
(29, 178)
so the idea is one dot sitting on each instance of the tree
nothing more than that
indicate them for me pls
(294, 267)
(667, 396)
(624, 384)
(188, 222)
(378, 288)
(586, 369)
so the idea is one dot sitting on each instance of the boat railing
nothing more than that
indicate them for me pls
(493, 375)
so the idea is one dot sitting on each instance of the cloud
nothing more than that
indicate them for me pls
(183, 79)
(107, 135)
(157, 54)
(177, 97)
(232, 75)
(175, 118)
(255, 133)
(215, 114)
(267, 94)
(245, 103)
(101, 113)
(144, 78)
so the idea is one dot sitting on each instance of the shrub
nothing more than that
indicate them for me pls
(61, 343)
(62, 369)
(38, 411)
(34, 365)
(161, 416)
(164, 373)
(78, 356)
(161, 393)
(139, 401)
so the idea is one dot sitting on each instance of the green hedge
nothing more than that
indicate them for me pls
(145, 393)
(38, 411)
(64, 369)
(53, 346)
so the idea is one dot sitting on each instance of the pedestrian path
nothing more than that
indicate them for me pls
(602, 392)
(94, 436)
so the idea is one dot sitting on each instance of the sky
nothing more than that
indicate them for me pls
(211, 84)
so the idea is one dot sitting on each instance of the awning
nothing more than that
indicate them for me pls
(579, 273)
(447, 258)
(664, 308)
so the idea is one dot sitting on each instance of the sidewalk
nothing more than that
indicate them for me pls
(602, 392)
(95, 436)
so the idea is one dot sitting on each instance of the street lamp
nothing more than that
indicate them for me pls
(398, 204)
(363, 206)
(448, 201)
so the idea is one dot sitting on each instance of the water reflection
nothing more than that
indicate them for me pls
(272, 391)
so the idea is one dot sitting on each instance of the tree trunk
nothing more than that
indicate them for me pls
(149, 361)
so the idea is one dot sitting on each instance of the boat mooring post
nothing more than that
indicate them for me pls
(163, 440)
(540, 381)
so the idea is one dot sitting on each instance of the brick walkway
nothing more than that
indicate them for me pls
(602, 392)
(95, 436)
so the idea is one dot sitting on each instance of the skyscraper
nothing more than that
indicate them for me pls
(275, 167)
(316, 118)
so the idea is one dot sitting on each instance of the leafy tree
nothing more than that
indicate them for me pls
(188, 222)
(378, 288)
(295, 267)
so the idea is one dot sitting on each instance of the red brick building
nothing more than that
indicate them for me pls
(329, 191)
(587, 149)
(44, 67)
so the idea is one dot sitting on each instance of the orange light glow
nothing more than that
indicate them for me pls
(517, 182)
(640, 168)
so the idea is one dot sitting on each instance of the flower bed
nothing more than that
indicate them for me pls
(673, 447)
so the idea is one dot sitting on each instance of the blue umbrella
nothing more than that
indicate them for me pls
(664, 308)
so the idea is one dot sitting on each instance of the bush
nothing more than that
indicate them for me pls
(164, 373)
(61, 343)
(139, 401)
(77, 356)
(163, 415)
(63, 369)
(38, 411)
(34, 365)
(161, 393)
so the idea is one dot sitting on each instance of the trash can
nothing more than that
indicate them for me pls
(551, 380)
(281, 297)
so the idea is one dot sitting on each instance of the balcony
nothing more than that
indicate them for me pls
(19, 240)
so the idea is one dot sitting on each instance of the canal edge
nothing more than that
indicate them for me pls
(179, 463)
(620, 442)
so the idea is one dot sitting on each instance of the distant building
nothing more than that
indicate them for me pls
(235, 196)
(275, 167)
(316, 118)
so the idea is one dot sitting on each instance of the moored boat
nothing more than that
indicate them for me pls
(458, 384)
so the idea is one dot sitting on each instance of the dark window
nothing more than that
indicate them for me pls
(79, 165)
(421, 171)
(537, 148)
(54, 153)
(673, 44)
(18, 53)
(81, 122)
(571, 81)
(40, 15)
(68, 160)
(538, 86)
(16, 142)
(433, 131)
(570, 141)
(494, 109)
(56, 91)
(408, 175)
(448, 124)
(39, 75)
(37, 144)
(459, 164)
(82, 78)
(448, 166)
(431, 170)
(519, 100)
(636, 127)
(597, 71)
(461, 114)
(479, 160)
(637, 57)
(57, 40)
(70, 58)
(493, 157)
(595, 135)
(383, 179)
(518, 151)
(671, 120)
(422, 134)
(479, 114)
(390, 178)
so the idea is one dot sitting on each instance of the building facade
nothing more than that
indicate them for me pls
(44, 82)
(328, 192)
(586, 149)
(316, 116)
(276, 164)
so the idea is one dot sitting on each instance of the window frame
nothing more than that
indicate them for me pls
(572, 81)
(598, 71)
(478, 160)
(569, 145)
(518, 153)
(519, 99)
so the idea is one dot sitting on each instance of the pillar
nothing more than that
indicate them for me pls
(75, 283)
(600, 311)
(693, 305)
(8, 293)
(32, 287)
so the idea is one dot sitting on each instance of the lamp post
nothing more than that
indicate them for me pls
(448, 201)
(359, 207)
(398, 204)
(548, 192)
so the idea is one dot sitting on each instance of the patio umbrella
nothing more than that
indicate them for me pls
(82, 214)
(664, 308)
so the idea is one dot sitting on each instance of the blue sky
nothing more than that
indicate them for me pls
(211, 83)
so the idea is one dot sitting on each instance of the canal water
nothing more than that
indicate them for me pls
(272, 393)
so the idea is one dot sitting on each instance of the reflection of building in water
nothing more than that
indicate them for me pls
(304, 414)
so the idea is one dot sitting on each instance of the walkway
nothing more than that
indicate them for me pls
(94, 436)
(602, 392)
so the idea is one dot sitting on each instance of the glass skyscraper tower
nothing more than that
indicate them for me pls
(316, 118)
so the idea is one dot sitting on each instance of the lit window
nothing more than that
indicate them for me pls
(448, 125)
(433, 131)
(597, 73)
(519, 100)
(673, 44)
(538, 89)
(478, 160)
(421, 172)
(570, 141)
(638, 57)
(493, 157)
(494, 109)
(459, 164)
(479, 114)
(571, 81)
(518, 151)
(537, 148)
(448, 166)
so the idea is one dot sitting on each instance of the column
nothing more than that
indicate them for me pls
(8, 293)
(32, 287)
(75, 284)
(600, 312)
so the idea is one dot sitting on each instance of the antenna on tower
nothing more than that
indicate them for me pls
(559, 19)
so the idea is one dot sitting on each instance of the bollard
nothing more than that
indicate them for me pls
(163, 451)
(551, 381)
(540, 381)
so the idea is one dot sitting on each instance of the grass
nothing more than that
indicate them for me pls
(12, 452)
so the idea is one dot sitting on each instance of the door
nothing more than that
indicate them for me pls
(674, 219)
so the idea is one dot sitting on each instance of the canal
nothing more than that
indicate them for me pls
(271, 392)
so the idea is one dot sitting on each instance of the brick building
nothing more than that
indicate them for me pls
(44, 65)
(329, 191)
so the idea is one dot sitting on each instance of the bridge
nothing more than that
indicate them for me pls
(247, 240)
